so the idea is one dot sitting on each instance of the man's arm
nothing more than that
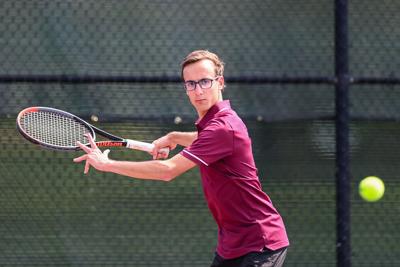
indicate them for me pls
(164, 170)
(171, 140)
(182, 138)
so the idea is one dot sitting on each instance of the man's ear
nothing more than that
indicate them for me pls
(221, 83)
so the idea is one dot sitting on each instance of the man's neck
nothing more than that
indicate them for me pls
(202, 114)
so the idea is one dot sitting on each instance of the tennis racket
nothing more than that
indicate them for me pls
(56, 129)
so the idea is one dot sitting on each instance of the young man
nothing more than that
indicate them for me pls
(250, 230)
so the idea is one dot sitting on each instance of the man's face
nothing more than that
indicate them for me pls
(203, 99)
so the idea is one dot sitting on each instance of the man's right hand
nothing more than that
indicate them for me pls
(162, 142)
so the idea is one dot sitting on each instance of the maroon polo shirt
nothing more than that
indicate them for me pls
(247, 220)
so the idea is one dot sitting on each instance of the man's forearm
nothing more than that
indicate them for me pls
(163, 170)
(152, 170)
(182, 138)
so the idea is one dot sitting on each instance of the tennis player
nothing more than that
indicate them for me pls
(251, 232)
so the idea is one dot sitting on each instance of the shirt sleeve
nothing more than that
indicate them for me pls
(213, 143)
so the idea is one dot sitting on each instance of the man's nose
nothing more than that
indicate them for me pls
(198, 90)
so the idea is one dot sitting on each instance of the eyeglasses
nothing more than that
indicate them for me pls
(205, 83)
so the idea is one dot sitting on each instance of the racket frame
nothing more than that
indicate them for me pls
(114, 141)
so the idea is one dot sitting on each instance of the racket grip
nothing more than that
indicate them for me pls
(138, 145)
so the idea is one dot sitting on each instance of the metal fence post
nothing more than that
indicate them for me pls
(343, 246)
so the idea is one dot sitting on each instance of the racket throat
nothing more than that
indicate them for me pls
(111, 144)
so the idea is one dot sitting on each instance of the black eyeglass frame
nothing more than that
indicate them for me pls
(199, 83)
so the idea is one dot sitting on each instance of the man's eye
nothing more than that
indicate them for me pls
(204, 82)
(190, 84)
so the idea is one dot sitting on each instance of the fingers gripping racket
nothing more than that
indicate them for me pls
(60, 130)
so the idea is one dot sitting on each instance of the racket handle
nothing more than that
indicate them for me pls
(138, 145)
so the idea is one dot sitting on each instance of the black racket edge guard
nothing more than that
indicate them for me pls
(64, 113)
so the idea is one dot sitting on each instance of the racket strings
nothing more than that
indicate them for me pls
(54, 129)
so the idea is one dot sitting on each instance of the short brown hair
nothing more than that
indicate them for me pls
(198, 55)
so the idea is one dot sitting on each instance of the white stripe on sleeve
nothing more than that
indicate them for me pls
(196, 157)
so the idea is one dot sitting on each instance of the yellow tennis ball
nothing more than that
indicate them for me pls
(371, 188)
